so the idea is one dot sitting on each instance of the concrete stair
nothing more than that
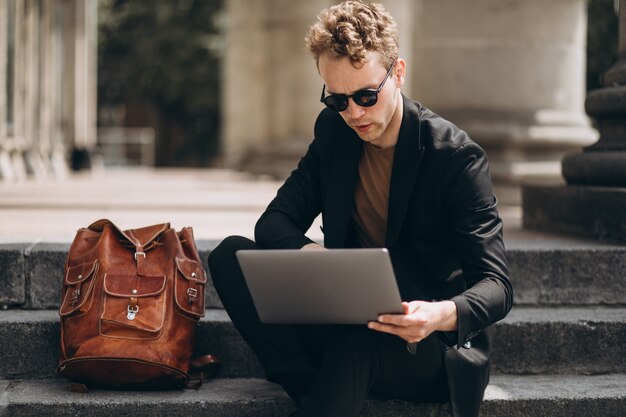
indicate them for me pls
(548, 272)
(528, 341)
(560, 352)
(507, 395)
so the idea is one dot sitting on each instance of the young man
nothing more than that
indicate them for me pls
(384, 171)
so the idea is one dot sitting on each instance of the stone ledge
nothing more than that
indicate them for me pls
(513, 396)
(527, 341)
(44, 263)
(12, 276)
(33, 274)
(565, 274)
(560, 340)
(544, 272)
(597, 212)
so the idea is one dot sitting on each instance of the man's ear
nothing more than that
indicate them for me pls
(399, 72)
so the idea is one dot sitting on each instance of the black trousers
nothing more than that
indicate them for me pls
(329, 370)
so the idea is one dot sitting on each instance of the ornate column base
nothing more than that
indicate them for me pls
(606, 168)
(594, 201)
(589, 211)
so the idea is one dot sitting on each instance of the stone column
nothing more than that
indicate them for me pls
(32, 88)
(61, 92)
(510, 73)
(594, 201)
(403, 12)
(84, 111)
(18, 143)
(46, 94)
(604, 163)
(6, 171)
(271, 87)
(85, 48)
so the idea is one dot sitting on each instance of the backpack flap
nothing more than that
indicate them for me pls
(142, 240)
(140, 237)
(134, 306)
(78, 284)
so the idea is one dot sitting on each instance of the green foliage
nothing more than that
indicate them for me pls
(168, 53)
(602, 40)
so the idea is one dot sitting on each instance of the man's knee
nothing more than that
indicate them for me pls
(222, 259)
(225, 251)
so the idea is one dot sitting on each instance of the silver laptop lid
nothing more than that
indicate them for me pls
(341, 286)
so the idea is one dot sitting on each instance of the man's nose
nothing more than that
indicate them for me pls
(354, 110)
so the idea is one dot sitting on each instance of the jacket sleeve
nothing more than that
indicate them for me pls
(476, 230)
(297, 203)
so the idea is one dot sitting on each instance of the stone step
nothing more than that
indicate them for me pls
(528, 341)
(564, 271)
(511, 396)
(549, 272)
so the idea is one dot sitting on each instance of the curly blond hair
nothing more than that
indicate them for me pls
(352, 29)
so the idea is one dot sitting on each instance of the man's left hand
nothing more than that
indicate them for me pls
(419, 320)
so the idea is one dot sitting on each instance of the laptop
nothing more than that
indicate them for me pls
(337, 286)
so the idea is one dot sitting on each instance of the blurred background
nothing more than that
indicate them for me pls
(92, 85)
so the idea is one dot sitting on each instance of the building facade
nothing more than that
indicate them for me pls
(47, 85)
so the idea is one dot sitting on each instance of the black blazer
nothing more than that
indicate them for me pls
(444, 233)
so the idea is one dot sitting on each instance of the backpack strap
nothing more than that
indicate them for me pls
(201, 368)
(77, 387)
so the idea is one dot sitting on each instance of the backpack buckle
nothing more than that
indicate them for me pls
(132, 311)
(75, 295)
(192, 294)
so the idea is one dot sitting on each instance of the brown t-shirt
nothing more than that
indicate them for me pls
(371, 196)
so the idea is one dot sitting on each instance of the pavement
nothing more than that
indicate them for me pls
(216, 203)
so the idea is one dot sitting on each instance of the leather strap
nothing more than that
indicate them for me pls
(202, 368)
(77, 387)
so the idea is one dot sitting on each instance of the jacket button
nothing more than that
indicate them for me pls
(467, 344)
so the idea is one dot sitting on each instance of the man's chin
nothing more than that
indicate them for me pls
(368, 136)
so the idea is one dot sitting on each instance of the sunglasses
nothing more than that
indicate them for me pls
(364, 98)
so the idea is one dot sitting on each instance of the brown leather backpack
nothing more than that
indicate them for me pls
(131, 302)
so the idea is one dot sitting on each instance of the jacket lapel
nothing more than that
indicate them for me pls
(407, 159)
(340, 197)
